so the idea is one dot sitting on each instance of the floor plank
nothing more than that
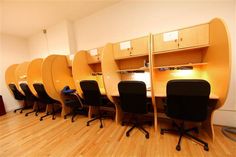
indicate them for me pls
(29, 137)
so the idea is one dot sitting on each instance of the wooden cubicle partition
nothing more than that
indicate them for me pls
(110, 76)
(199, 52)
(218, 69)
(84, 68)
(56, 74)
(122, 63)
(10, 76)
(81, 70)
(21, 74)
(34, 74)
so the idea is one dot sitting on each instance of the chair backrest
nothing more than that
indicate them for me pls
(188, 99)
(17, 94)
(91, 92)
(42, 94)
(133, 96)
(28, 94)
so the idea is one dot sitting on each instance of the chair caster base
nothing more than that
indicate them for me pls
(87, 124)
(21, 111)
(162, 132)
(101, 126)
(127, 134)
(206, 148)
(178, 148)
(41, 119)
(147, 136)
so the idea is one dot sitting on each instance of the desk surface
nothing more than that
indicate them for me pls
(162, 95)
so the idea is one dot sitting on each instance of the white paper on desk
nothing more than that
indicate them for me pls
(125, 45)
(170, 36)
(93, 52)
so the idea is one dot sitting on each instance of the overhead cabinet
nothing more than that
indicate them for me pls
(135, 47)
(94, 55)
(193, 37)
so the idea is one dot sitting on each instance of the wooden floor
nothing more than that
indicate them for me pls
(27, 136)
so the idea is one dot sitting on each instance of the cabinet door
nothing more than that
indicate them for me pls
(93, 56)
(194, 36)
(165, 41)
(139, 46)
(121, 51)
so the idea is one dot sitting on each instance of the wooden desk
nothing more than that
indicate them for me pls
(162, 95)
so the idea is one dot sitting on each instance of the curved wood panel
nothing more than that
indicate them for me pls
(10, 76)
(62, 76)
(47, 78)
(218, 69)
(81, 70)
(110, 76)
(218, 57)
(21, 74)
(34, 74)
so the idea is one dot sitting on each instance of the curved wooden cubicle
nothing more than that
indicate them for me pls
(21, 74)
(34, 74)
(82, 70)
(210, 61)
(56, 74)
(10, 76)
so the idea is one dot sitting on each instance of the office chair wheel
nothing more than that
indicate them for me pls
(178, 148)
(206, 148)
(127, 134)
(65, 117)
(26, 114)
(72, 120)
(196, 131)
(14, 111)
(87, 124)
(53, 118)
(41, 119)
(101, 126)
(36, 114)
(21, 111)
(147, 136)
(162, 132)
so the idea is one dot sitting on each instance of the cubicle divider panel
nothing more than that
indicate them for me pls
(62, 76)
(218, 69)
(10, 76)
(47, 77)
(81, 70)
(218, 57)
(21, 74)
(34, 74)
(110, 77)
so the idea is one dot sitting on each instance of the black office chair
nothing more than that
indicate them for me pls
(72, 100)
(92, 97)
(133, 99)
(46, 99)
(18, 96)
(187, 100)
(29, 98)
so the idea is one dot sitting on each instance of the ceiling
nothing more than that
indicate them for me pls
(26, 17)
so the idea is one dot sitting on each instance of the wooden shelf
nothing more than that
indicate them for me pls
(181, 49)
(180, 65)
(96, 73)
(132, 56)
(142, 69)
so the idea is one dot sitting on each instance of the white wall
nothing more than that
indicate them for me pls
(59, 39)
(127, 20)
(12, 50)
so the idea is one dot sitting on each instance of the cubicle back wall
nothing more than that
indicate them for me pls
(34, 74)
